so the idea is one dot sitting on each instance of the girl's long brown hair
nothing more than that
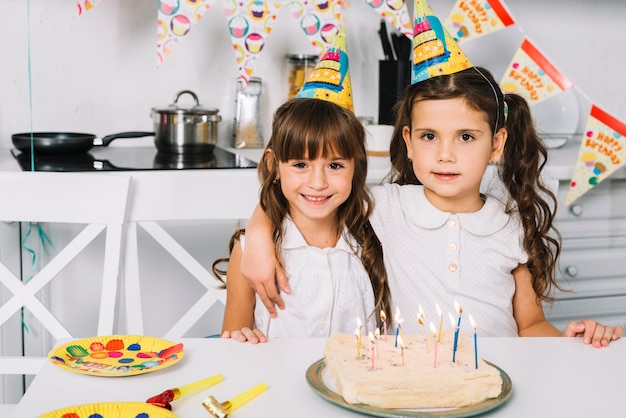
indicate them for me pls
(520, 169)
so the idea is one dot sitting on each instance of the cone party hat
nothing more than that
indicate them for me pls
(330, 80)
(434, 51)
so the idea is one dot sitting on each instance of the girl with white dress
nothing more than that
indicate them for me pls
(313, 192)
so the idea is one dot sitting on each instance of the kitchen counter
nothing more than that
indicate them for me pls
(560, 163)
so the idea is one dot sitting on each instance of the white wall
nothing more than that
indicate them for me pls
(97, 73)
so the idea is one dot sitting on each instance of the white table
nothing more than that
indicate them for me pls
(552, 377)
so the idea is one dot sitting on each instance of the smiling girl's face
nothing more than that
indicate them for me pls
(316, 188)
(450, 145)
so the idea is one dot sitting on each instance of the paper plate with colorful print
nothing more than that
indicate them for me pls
(112, 410)
(117, 355)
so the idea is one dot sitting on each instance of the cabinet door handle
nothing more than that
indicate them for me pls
(576, 210)
(571, 271)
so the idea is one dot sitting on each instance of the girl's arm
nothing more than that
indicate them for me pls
(531, 321)
(240, 301)
(527, 308)
(259, 264)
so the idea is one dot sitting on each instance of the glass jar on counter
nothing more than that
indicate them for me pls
(300, 66)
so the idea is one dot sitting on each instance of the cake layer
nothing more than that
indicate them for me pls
(407, 377)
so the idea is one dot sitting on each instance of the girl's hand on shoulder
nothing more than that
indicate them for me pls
(253, 336)
(593, 332)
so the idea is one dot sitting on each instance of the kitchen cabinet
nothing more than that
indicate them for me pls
(593, 229)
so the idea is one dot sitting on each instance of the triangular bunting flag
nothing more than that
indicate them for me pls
(175, 20)
(320, 20)
(602, 151)
(471, 19)
(532, 76)
(249, 25)
(85, 5)
(395, 13)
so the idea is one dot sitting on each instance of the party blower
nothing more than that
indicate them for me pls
(223, 409)
(163, 399)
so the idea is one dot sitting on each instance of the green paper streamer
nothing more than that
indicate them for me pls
(45, 244)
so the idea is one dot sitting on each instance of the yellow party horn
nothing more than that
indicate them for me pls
(223, 409)
(163, 399)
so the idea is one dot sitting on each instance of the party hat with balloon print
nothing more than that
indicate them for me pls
(434, 51)
(330, 80)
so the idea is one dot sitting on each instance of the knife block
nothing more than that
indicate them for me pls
(393, 77)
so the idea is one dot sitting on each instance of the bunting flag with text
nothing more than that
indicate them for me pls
(249, 25)
(395, 13)
(602, 151)
(175, 20)
(320, 20)
(85, 5)
(531, 75)
(470, 19)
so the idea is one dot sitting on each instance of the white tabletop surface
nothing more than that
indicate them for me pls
(551, 377)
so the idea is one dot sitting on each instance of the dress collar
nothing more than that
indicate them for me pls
(488, 220)
(293, 238)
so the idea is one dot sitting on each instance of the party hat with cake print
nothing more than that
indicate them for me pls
(434, 51)
(330, 80)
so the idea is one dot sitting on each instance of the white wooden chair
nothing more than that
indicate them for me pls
(95, 201)
(184, 197)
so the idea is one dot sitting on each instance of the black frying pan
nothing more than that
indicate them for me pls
(57, 143)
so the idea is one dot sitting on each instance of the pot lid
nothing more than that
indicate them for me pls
(195, 109)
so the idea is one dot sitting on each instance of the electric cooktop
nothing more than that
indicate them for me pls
(132, 158)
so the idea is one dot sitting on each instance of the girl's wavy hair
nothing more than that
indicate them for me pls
(520, 169)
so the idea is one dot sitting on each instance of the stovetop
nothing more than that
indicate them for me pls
(132, 158)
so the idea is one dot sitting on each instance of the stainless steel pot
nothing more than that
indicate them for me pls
(185, 129)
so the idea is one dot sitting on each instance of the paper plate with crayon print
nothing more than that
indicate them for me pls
(117, 355)
(112, 410)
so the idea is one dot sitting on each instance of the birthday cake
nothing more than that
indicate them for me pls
(418, 373)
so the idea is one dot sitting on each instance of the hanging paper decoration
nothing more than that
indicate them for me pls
(175, 20)
(395, 13)
(602, 151)
(249, 25)
(532, 76)
(320, 20)
(85, 5)
(470, 19)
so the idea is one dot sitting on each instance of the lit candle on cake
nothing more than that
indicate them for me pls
(471, 319)
(459, 310)
(377, 336)
(357, 336)
(433, 329)
(383, 319)
(420, 315)
(401, 344)
(398, 324)
(373, 348)
(440, 315)
(452, 324)
(420, 321)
